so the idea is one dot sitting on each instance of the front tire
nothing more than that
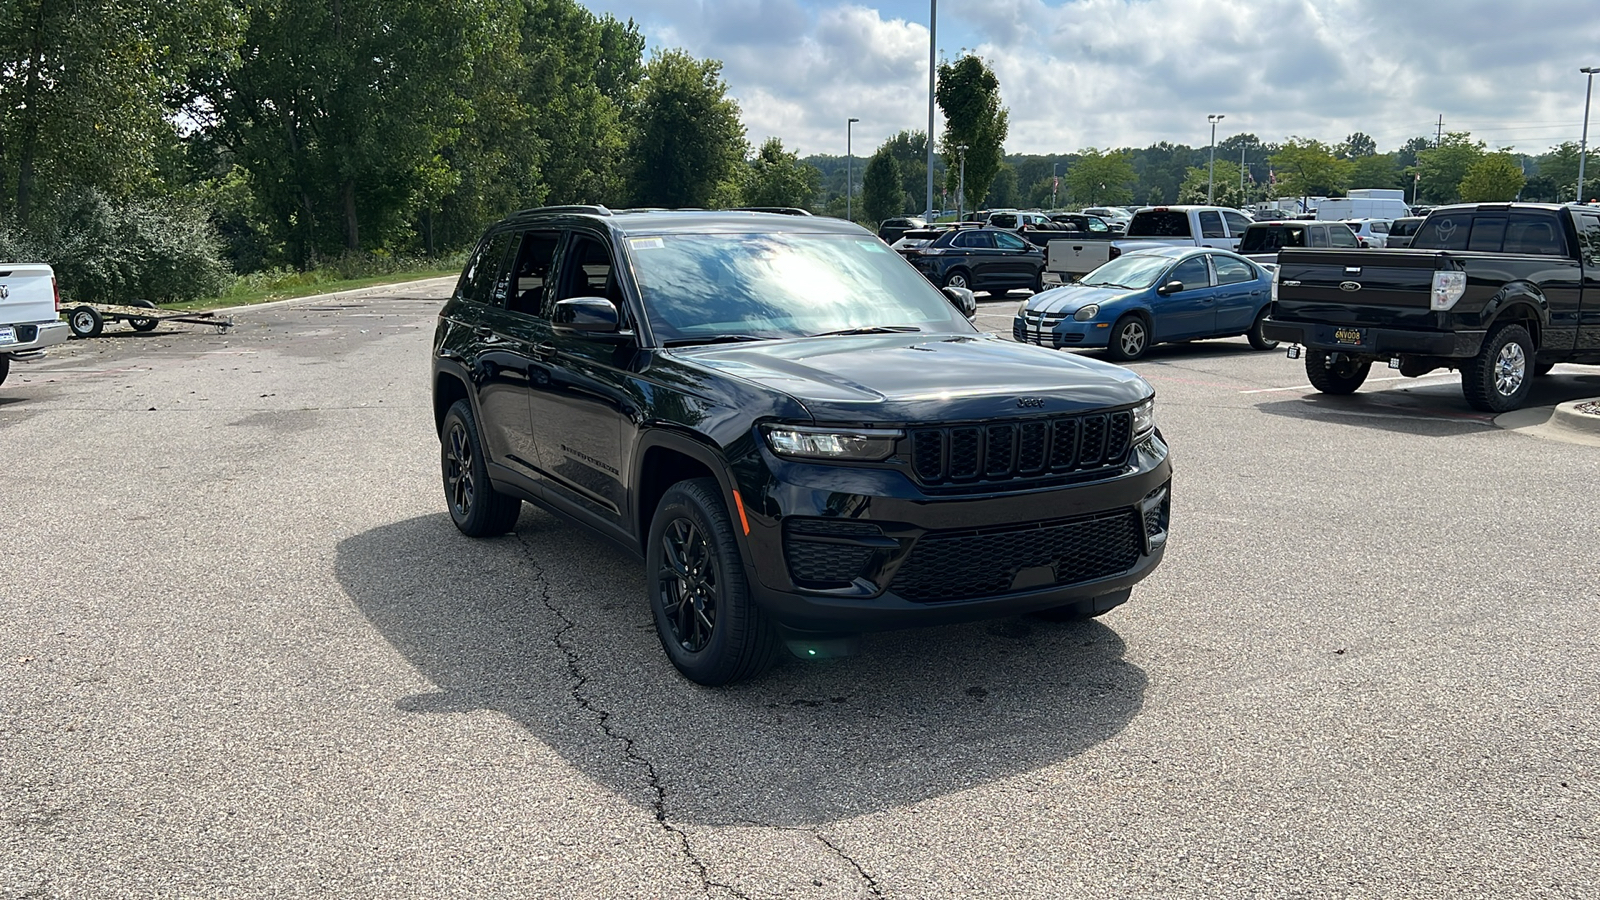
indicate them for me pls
(140, 324)
(1343, 377)
(475, 506)
(1257, 335)
(708, 625)
(1499, 378)
(1130, 338)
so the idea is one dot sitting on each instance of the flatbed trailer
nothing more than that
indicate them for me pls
(88, 320)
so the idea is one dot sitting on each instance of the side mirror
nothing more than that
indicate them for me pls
(587, 315)
(963, 299)
(1171, 287)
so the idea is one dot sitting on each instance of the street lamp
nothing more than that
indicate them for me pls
(1055, 182)
(849, 169)
(1583, 142)
(933, 42)
(1212, 177)
(961, 187)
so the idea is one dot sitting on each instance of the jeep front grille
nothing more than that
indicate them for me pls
(1062, 445)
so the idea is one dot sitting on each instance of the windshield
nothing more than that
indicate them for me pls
(1134, 271)
(702, 286)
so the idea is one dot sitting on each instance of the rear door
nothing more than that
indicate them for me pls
(1239, 293)
(498, 356)
(1588, 226)
(1212, 232)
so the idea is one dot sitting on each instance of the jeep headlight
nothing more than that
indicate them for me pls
(857, 444)
(1144, 419)
(1087, 313)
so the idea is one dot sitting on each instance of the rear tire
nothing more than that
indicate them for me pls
(5, 367)
(1343, 378)
(85, 322)
(1258, 338)
(1130, 338)
(143, 324)
(958, 278)
(1499, 378)
(475, 506)
(711, 629)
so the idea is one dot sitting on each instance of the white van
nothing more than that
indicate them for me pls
(1365, 203)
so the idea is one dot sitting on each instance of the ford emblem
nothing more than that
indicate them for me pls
(1349, 285)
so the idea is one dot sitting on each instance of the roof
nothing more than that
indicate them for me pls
(663, 221)
(1176, 251)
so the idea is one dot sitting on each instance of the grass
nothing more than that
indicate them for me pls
(265, 287)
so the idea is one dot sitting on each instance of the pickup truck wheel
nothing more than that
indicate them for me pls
(1130, 337)
(143, 324)
(1498, 379)
(958, 278)
(5, 367)
(1342, 377)
(85, 322)
(1258, 338)
(475, 506)
(711, 629)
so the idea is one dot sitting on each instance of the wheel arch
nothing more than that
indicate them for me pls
(448, 387)
(666, 458)
(1521, 304)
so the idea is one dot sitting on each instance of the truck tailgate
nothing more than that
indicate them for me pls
(27, 293)
(1076, 257)
(1382, 288)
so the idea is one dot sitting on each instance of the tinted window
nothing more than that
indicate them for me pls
(1159, 223)
(478, 280)
(1272, 238)
(586, 271)
(1236, 223)
(1487, 233)
(1003, 220)
(1589, 239)
(1380, 227)
(1211, 225)
(1232, 271)
(1343, 238)
(1444, 232)
(975, 239)
(1319, 235)
(1404, 227)
(530, 272)
(1535, 235)
(1010, 242)
(1192, 272)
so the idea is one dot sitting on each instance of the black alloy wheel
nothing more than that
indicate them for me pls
(477, 509)
(711, 629)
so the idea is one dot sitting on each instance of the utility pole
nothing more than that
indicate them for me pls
(961, 189)
(1438, 136)
(933, 44)
(1211, 178)
(849, 175)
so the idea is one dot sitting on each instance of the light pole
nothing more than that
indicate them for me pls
(849, 169)
(1055, 182)
(933, 43)
(1211, 178)
(961, 186)
(1583, 142)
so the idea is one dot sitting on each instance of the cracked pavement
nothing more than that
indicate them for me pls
(244, 653)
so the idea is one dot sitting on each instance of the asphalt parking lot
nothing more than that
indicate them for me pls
(245, 653)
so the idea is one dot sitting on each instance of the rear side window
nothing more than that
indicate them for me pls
(1160, 223)
(1534, 235)
(1211, 225)
(530, 272)
(1589, 239)
(1319, 236)
(1343, 238)
(1232, 271)
(977, 239)
(1487, 234)
(1009, 242)
(1444, 232)
(1003, 220)
(478, 280)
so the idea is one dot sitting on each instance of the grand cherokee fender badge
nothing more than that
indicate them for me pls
(1349, 286)
(1030, 402)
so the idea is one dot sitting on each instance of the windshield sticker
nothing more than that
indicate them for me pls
(876, 246)
(654, 243)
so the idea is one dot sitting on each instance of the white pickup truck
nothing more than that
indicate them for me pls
(29, 313)
(1198, 226)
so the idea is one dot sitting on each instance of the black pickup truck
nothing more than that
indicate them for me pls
(1500, 291)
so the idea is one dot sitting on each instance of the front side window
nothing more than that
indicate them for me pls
(1192, 272)
(1589, 239)
(586, 271)
(698, 287)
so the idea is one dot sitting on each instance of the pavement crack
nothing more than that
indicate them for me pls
(602, 716)
(872, 883)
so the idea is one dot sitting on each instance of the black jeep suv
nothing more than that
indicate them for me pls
(803, 438)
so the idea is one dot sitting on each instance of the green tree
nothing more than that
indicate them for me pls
(688, 143)
(1376, 170)
(1003, 192)
(968, 94)
(1444, 167)
(1306, 167)
(1099, 179)
(1496, 178)
(881, 195)
(1356, 146)
(910, 152)
(777, 178)
(1228, 192)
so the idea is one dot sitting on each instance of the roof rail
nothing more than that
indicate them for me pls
(595, 210)
(784, 210)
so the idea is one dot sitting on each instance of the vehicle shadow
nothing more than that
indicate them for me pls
(1425, 408)
(549, 628)
(1205, 348)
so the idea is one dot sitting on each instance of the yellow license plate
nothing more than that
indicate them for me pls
(1351, 336)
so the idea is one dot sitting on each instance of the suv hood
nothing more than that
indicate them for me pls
(923, 378)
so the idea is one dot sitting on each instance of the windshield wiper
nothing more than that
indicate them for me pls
(1106, 284)
(713, 339)
(870, 329)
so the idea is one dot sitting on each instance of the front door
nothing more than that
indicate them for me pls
(1191, 312)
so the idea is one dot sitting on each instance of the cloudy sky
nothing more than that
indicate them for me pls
(1113, 73)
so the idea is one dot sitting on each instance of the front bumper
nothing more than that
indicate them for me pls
(1063, 334)
(34, 336)
(842, 550)
(1376, 342)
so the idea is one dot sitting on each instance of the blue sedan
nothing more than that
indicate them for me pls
(1149, 297)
